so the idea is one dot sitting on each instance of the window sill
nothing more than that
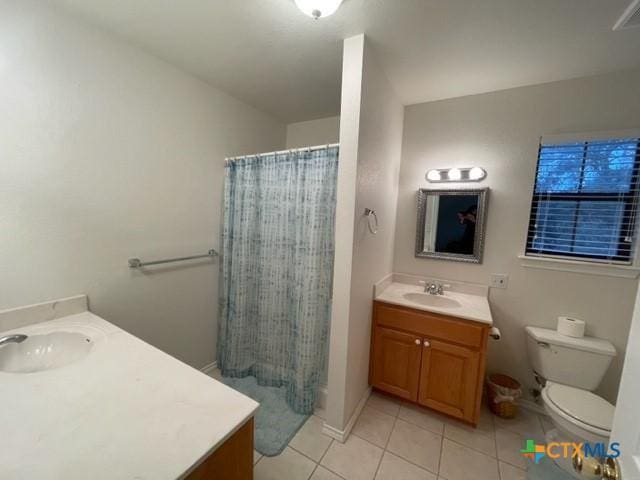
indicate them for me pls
(586, 268)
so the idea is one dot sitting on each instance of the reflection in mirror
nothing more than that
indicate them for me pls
(451, 224)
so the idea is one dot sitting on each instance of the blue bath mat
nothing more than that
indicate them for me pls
(275, 423)
(547, 470)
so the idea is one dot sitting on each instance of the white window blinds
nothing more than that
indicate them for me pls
(585, 199)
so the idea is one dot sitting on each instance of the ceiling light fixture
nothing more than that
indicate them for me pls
(318, 8)
(473, 174)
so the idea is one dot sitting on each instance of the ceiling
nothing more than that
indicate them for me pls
(270, 55)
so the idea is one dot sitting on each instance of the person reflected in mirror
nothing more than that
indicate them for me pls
(466, 243)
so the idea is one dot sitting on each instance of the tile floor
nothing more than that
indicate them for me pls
(397, 441)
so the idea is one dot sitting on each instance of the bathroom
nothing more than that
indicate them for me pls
(121, 123)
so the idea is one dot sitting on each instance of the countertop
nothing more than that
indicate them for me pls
(125, 411)
(472, 299)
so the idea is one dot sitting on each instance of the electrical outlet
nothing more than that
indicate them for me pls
(499, 280)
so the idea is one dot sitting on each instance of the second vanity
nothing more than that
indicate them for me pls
(431, 348)
(81, 398)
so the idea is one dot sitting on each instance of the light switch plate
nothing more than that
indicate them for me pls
(499, 280)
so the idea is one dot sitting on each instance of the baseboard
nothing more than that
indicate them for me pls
(342, 435)
(207, 369)
(532, 406)
(333, 432)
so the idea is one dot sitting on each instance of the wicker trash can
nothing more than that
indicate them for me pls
(503, 392)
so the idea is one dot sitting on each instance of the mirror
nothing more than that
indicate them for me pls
(451, 224)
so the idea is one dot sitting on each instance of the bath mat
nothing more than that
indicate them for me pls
(547, 470)
(275, 423)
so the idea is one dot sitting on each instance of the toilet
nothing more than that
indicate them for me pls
(568, 370)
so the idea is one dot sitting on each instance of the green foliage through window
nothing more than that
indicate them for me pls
(585, 200)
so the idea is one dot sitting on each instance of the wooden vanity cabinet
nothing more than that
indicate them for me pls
(233, 460)
(437, 361)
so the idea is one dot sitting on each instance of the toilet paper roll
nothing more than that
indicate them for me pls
(495, 333)
(571, 327)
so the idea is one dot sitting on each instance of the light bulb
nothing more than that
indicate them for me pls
(434, 176)
(476, 173)
(455, 174)
(318, 8)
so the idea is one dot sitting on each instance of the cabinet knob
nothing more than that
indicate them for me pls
(418, 341)
(426, 343)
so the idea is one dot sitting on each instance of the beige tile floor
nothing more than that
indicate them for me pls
(397, 441)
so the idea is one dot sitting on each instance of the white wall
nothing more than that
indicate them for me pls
(323, 131)
(370, 140)
(500, 132)
(352, 69)
(108, 153)
(379, 153)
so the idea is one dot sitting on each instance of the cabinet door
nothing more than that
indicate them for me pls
(395, 366)
(449, 379)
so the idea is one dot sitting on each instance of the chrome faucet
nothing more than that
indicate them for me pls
(433, 288)
(19, 338)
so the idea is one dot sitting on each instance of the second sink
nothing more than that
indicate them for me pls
(44, 352)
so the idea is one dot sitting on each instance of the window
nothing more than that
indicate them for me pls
(585, 200)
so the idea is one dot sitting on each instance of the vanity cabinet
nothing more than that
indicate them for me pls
(437, 361)
(233, 460)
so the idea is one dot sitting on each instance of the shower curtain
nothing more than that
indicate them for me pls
(277, 270)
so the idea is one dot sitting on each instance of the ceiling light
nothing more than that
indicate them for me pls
(318, 8)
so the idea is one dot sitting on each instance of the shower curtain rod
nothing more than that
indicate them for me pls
(282, 152)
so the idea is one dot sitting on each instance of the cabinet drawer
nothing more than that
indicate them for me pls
(430, 325)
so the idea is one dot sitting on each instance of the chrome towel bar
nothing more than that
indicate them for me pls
(137, 263)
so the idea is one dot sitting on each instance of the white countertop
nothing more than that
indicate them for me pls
(472, 299)
(126, 411)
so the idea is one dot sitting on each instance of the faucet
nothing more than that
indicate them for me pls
(433, 288)
(19, 338)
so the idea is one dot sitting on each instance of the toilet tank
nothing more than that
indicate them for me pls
(578, 362)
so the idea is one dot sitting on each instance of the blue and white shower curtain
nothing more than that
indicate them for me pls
(277, 270)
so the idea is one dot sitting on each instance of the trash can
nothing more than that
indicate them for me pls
(503, 392)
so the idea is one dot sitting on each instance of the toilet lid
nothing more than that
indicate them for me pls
(586, 407)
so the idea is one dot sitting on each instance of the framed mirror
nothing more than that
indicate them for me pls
(451, 224)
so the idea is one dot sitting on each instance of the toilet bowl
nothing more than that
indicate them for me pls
(578, 416)
(578, 413)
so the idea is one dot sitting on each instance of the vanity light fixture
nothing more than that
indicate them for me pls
(441, 175)
(318, 8)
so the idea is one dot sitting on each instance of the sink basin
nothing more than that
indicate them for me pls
(44, 352)
(429, 300)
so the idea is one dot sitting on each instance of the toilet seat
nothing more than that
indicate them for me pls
(580, 407)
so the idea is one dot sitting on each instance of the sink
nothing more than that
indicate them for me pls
(429, 300)
(44, 352)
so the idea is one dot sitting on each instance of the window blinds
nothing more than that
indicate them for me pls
(585, 200)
